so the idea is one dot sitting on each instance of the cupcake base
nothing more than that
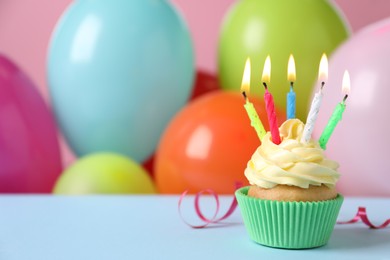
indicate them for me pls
(290, 225)
(292, 193)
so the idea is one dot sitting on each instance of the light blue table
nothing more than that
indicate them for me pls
(149, 227)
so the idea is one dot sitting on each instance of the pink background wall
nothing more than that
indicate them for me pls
(26, 25)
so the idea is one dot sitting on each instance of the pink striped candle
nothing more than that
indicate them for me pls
(269, 103)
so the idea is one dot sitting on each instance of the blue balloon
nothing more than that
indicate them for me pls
(118, 71)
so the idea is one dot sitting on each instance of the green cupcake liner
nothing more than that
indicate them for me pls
(290, 225)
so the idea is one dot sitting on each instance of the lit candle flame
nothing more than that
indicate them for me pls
(246, 77)
(346, 86)
(291, 69)
(323, 71)
(266, 78)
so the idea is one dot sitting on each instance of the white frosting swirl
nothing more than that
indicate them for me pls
(291, 162)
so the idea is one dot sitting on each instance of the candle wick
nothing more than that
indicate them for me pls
(265, 85)
(244, 94)
(291, 86)
(345, 98)
(322, 85)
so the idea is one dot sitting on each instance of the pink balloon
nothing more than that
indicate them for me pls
(24, 38)
(361, 141)
(29, 152)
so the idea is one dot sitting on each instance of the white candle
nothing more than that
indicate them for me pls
(312, 117)
(316, 103)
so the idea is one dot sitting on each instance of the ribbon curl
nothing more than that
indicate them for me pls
(362, 215)
(199, 213)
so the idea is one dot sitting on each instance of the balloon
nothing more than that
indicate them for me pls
(208, 144)
(149, 165)
(104, 173)
(279, 28)
(118, 71)
(205, 82)
(29, 152)
(361, 139)
(16, 40)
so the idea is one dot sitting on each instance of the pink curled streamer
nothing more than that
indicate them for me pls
(360, 215)
(199, 213)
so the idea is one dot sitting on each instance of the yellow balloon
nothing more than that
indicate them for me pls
(104, 173)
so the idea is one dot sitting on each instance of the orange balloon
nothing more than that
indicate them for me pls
(208, 144)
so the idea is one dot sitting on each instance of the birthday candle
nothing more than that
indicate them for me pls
(291, 93)
(316, 103)
(269, 103)
(337, 113)
(245, 86)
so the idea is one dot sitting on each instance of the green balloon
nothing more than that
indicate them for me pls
(104, 173)
(257, 28)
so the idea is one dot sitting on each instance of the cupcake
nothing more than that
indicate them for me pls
(292, 201)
